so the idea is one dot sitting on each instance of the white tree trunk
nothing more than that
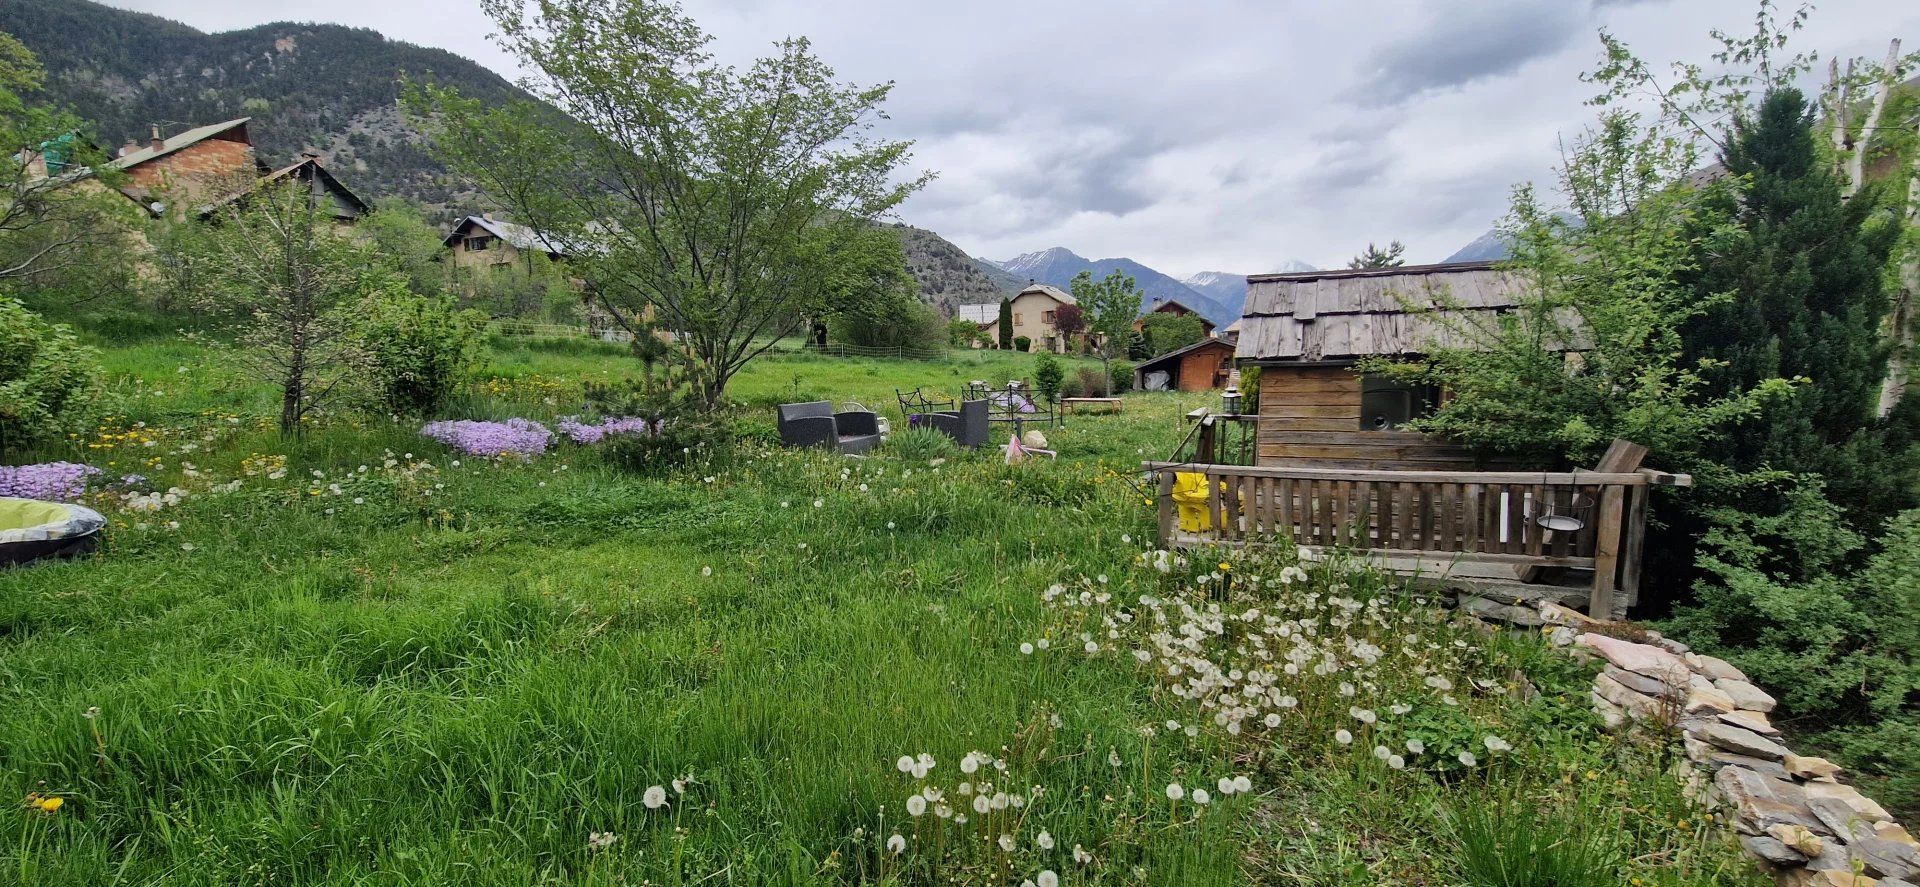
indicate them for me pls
(1902, 323)
(1857, 159)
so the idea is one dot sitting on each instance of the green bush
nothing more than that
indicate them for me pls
(1092, 382)
(48, 380)
(1250, 390)
(418, 348)
(1022, 343)
(902, 323)
(1122, 377)
(1071, 386)
(1046, 376)
(919, 444)
(682, 441)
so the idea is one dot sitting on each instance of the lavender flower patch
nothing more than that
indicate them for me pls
(47, 481)
(514, 437)
(593, 432)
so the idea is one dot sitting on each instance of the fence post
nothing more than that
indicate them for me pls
(1165, 499)
(1606, 552)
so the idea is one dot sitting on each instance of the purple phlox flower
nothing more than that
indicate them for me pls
(590, 432)
(514, 437)
(47, 481)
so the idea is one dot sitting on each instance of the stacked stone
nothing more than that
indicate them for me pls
(1791, 812)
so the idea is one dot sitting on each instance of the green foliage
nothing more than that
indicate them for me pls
(964, 333)
(48, 380)
(1512, 842)
(1617, 279)
(408, 244)
(1170, 332)
(1250, 390)
(892, 322)
(1393, 256)
(1004, 328)
(1047, 372)
(1804, 268)
(1119, 378)
(683, 440)
(746, 197)
(1022, 344)
(533, 287)
(919, 444)
(1110, 305)
(418, 347)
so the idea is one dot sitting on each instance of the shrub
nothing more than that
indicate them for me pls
(682, 441)
(1250, 390)
(902, 323)
(47, 378)
(1122, 376)
(1093, 383)
(418, 348)
(964, 333)
(1071, 386)
(1167, 332)
(1046, 376)
(1022, 343)
(919, 444)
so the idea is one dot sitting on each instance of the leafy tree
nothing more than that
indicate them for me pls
(962, 333)
(1805, 271)
(1111, 304)
(289, 279)
(408, 244)
(1168, 332)
(1005, 324)
(1069, 321)
(48, 222)
(730, 205)
(1375, 257)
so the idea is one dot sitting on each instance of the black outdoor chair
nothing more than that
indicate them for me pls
(967, 425)
(916, 402)
(815, 424)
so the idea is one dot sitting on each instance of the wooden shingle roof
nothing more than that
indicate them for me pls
(1350, 314)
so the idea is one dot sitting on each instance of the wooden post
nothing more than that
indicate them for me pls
(1166, 509)
(1606, 552)
(1636, 545)
(1203, 451)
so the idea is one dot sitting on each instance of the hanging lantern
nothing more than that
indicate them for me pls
(1230, 401)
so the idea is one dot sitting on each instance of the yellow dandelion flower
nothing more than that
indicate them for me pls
(52, 805)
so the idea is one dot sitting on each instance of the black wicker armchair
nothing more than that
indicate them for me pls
(815, 424)
(967, 424)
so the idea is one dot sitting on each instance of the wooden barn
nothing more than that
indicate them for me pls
(1308, 330)
(1202, 366)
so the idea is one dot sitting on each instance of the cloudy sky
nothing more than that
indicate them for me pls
(1195, 134)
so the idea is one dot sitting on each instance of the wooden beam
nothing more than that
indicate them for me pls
(1606, 554)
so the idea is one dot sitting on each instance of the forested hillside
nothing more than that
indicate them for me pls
(325, 88)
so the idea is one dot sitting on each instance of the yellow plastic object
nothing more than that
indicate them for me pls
(1190, 496)
(21, 514)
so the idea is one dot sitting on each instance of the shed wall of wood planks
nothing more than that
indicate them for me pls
(1310, 417)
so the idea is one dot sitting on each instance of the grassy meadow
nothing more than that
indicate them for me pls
(360, 658)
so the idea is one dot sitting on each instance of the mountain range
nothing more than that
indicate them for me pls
(1216, 295)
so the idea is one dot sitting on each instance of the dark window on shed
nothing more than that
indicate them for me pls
(1386, 404)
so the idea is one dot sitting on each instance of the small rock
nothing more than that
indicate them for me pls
(1751, 720)
(1746, 695)
(1672, 646)
(1642, 684)
(1836, 818)
(1717, 668)
(1740, 740)
(1709, 699)
(1641, 658)
(1861, 804)
(1811, 767)
(1798, 837)
(1829, 878)
(1772, 850)
(1512, 615)
(1033, 439)
(1612, 717)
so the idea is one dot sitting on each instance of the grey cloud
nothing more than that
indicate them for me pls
(1468, 43)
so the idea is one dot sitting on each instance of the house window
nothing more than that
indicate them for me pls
(1017, 321)
(1046, 317)
(475, 244)
(1386, 404)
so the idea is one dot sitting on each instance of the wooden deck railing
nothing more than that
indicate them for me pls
(1491, 517)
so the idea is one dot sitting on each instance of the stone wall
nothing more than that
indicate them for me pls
(1794, 814)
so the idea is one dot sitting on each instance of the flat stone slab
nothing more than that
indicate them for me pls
(1740, 740)
(1639, 658)
(1746, 695)
(1809, 767)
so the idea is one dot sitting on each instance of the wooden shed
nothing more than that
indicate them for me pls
(1308, 330)
(1202, 366)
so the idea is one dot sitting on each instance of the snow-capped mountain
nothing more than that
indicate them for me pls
(1057, 267)
(1230, 289)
